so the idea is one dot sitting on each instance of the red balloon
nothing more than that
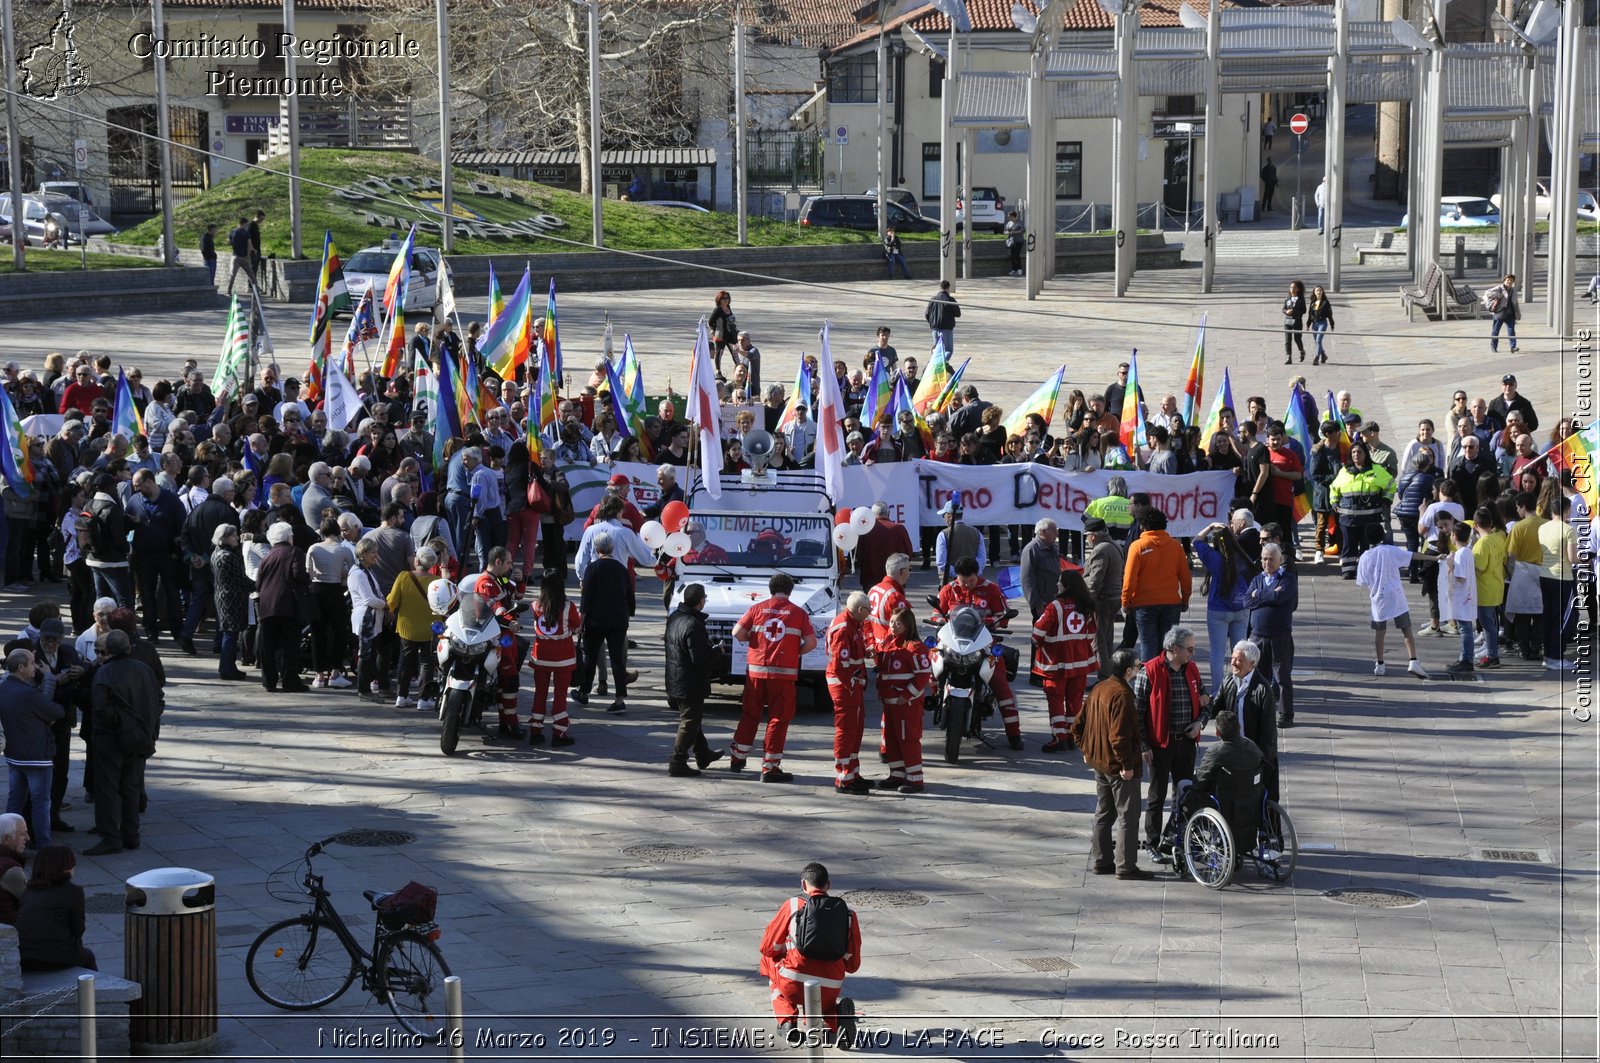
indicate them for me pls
(842, 517)
(673, 514)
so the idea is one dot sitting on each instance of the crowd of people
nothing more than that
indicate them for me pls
(299, 538)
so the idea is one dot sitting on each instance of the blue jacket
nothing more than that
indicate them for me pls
(1414, 491)
(160, 525)
(1216, 601)
(1272, 608)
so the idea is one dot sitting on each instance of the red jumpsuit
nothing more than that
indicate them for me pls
(847, 684)
(777, 628)
(1065, 654)
(904, 674)
(887, 598)
(553, 657)
(990, 602)
(787, 970)
(510, 656)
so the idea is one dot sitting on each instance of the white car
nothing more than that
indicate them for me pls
(1463, 212)
(369, 268)
(988, 209)
(1543, 202)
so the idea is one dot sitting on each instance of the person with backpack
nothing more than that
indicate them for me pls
(812, 936)
(1501, 302)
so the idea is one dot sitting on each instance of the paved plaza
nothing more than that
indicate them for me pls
(987, 936)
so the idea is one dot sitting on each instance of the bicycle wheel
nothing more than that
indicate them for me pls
(412, 970)
(300, 964)
(1278, 846)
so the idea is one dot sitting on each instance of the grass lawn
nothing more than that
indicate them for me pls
(41, 260)
(628, 226)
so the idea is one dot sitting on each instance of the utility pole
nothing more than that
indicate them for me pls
(1333, 192)
(595, 187)
(1125, 210)
(19, 231)
(947, 165)
(1208, 146)
(169, 249)
(741, 137)
(296, 249)
(883, 121)
(447, 225)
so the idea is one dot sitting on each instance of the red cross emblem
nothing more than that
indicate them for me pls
(1074, 622)
(773, 629)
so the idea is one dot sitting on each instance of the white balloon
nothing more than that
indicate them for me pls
(678, 544)
(845, 537)
(862, 519)
(653, 533)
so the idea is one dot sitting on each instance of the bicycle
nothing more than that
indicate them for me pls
(297, 964)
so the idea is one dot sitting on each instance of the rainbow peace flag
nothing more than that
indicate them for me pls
(800, 393)
(1197, 374)
(14, 460)
(932, 385)
(552, 343)
(950, 387)
(1223, 399)
(1132, 432)
(1577, 454)
(399, 275)
(1344, 430)
(901, 402)
(880, 394)
(548, 386)
(466, 396)
(442, 417)
(632, 377)
(508, 341)
(497, 301)
(1294, 421)
(125, 419)
(534, 435)
(1041, 402)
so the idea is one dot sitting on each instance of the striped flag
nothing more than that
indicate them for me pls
(950, 386)
(125, 419)
(235, 352)
(903, 403)
(1197, 374)
(801, 393)
(508, 341)
(552, 342)
(466, 392)
(1041, 402)
(497, 301)
(1222, 399)
(632, 377)
(443, 421)
(14, 460)
(1294, 421)
(548, 386)
(1345, 442)
(1577, 454)
(880, 393)
(330, 286)
(931, 387)
(1132, 433)
(363, 327)
(399, 275)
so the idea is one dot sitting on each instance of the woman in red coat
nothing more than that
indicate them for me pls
(904, 673)
(553, 657)
(1064, 641)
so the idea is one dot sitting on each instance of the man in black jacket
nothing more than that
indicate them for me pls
(158, 520)
(27, 715)
(941, 317)
(1228, 771)
(127, 721)
(1248, 692)
(607, 605)
(108, 542)
(690, 660)
(64, 677)
(199, 531)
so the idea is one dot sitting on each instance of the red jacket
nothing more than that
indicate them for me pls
(1064, 639)
(554, 641)
(630, 516)
(985, 596)
(777, 629)
(904, 671)
(847, 651)
(882, 541)
(779, 957)
(1157, 734)
(887, 598)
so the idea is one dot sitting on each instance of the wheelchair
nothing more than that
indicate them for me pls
(1204, 833)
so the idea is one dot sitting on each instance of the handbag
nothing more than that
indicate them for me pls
(538, 497)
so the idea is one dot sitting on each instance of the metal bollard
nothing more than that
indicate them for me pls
(455, 1035)
(816, 1025)
(88, 1046)
(1461, 258)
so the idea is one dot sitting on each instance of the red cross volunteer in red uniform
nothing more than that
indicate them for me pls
(885, 599)
(904, 674)
(779, 633)
(808, 939)
(970, 588)
(1065, 654)
(554, 656)
(847, 685)
(496, 587)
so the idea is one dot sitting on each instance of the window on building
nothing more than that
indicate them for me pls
(267, 38)
(1069, 169)
(935, 78)
(930, 171)
(1183, 107)
(855, 80)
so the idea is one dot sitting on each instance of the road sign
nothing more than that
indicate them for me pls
(843, 135)
(1298, 124)
(80, 153)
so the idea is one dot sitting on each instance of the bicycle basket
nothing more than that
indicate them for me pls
(411, 904)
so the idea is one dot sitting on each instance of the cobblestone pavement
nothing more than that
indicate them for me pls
(550, 909)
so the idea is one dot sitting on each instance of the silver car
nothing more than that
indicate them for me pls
(43, 228)
(81, 220)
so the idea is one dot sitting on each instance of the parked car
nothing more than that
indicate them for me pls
(679, 204)
(1588, 207)
(43, 228)
(988, 210)
(860, 212)
(369, 268)
(81, 219)
(1463, 212)
(902, 196)
(1543, 202)
(71, 189)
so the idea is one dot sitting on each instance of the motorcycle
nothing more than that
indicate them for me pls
(470, 642)
(966, 651)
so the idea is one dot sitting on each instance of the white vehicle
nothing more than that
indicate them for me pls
(469, 661)
(740, 540)
(369, 268)
(988, 209)
(1543, 201)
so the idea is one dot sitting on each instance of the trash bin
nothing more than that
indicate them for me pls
(170, 927)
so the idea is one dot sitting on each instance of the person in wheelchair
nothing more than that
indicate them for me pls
(1248, 692)
(1228, 772)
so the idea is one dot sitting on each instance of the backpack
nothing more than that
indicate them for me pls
(822, 928)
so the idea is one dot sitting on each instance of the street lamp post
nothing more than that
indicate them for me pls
(169, 253)
(1125, 208)
(883, 121)
(292, 107)
(19, 231)
(446, 186)
(595, 204)
(741, 136)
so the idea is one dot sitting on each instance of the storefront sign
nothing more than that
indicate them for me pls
(249, 125)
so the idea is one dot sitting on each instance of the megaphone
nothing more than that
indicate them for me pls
(757, 448)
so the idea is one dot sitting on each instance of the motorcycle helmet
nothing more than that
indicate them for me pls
(441, 596)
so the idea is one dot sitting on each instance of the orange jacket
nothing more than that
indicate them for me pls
(1156, 572)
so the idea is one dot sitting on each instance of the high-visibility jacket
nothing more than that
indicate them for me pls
(1064, 640)
(777, 628)
(904, 671)
(847, 652)
(555, 638)
(985, 596)
(887, 598)
(1363, 493)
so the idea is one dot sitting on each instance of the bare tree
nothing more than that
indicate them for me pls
(521, 68)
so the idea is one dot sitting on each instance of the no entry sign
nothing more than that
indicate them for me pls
(1298, 124)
